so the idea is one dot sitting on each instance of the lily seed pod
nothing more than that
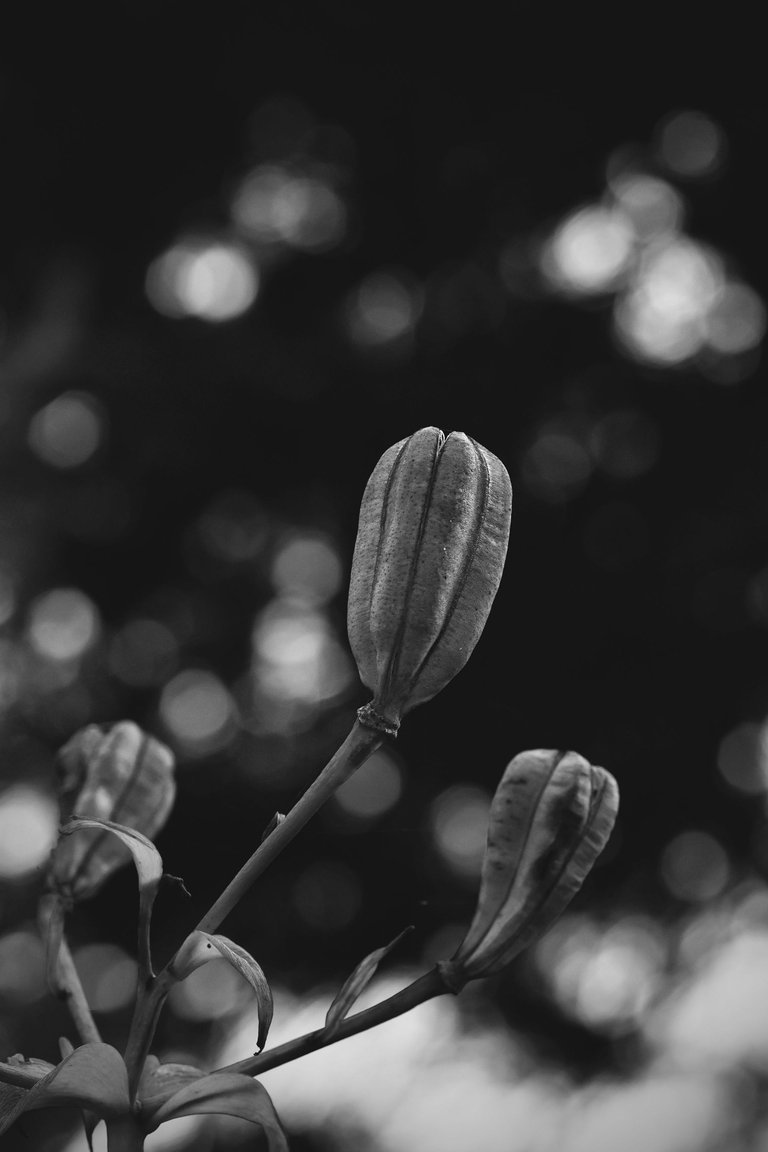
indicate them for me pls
(428, 559)
(121, 775)
(549, 821)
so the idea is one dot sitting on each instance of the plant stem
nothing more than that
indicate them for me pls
(429, 985)
(124, 1134)
(73, 993)
(149, 1003)
(62, 974)
(355, 750)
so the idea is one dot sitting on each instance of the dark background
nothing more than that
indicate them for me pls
(121, 131)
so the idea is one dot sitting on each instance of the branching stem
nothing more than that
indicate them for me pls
(355, 750)
(427, 986)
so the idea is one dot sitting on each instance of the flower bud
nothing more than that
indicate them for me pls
(121, 775)
(430, 549)
(550, 819)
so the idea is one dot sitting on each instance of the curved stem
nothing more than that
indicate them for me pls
(427, 986)
(63, 976)
(73, 993)
(355, 750)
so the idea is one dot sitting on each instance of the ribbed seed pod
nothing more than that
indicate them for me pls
(550, 819)
(121, 775)
(430, 550)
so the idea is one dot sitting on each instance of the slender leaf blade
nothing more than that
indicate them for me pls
(355, 984)
(200, 947)
(149, 867)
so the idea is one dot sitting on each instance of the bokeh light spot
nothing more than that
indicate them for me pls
(606, 978)
(213, 990)
(653, 206)
(736, 321)
(382, 311)
(458, 820)
(742, 758)
(22, 965)
(198, 711)
(691, 144)
(307, 567)
(68, 430)
(590, 252)
(556, 466)
(144, 653)
(297, 658)
(210, 280)
(663, 318)
(373, 789)
(29, 823)
(63, 624)
(275, 205)
(694, 866)
(108, 976)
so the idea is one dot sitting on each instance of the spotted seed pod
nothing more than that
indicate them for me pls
(430, 550)
(550, 819)
(118, 774)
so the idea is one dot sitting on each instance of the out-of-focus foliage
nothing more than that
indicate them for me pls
(231, 273)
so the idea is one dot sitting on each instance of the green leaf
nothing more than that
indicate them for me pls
(93, 1077)
(226, 1094)
(357, 982)
(200, 947)
(149, 867)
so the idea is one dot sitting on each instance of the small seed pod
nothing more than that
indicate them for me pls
(430, 550)
(121, 775)
(550, 819)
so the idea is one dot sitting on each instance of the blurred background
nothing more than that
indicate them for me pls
(242, 255)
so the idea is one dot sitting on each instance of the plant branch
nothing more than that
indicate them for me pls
(429, 985)
(355, 750)
(63, 976)
(74, 995)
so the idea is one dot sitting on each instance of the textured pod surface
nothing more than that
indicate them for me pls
(550, 818)
(430, 551)
(121, 775)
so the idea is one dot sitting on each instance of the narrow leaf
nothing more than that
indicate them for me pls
(357, 982)
(226, 1094)
(200, 947)
(92, 1077)
(149, 867)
